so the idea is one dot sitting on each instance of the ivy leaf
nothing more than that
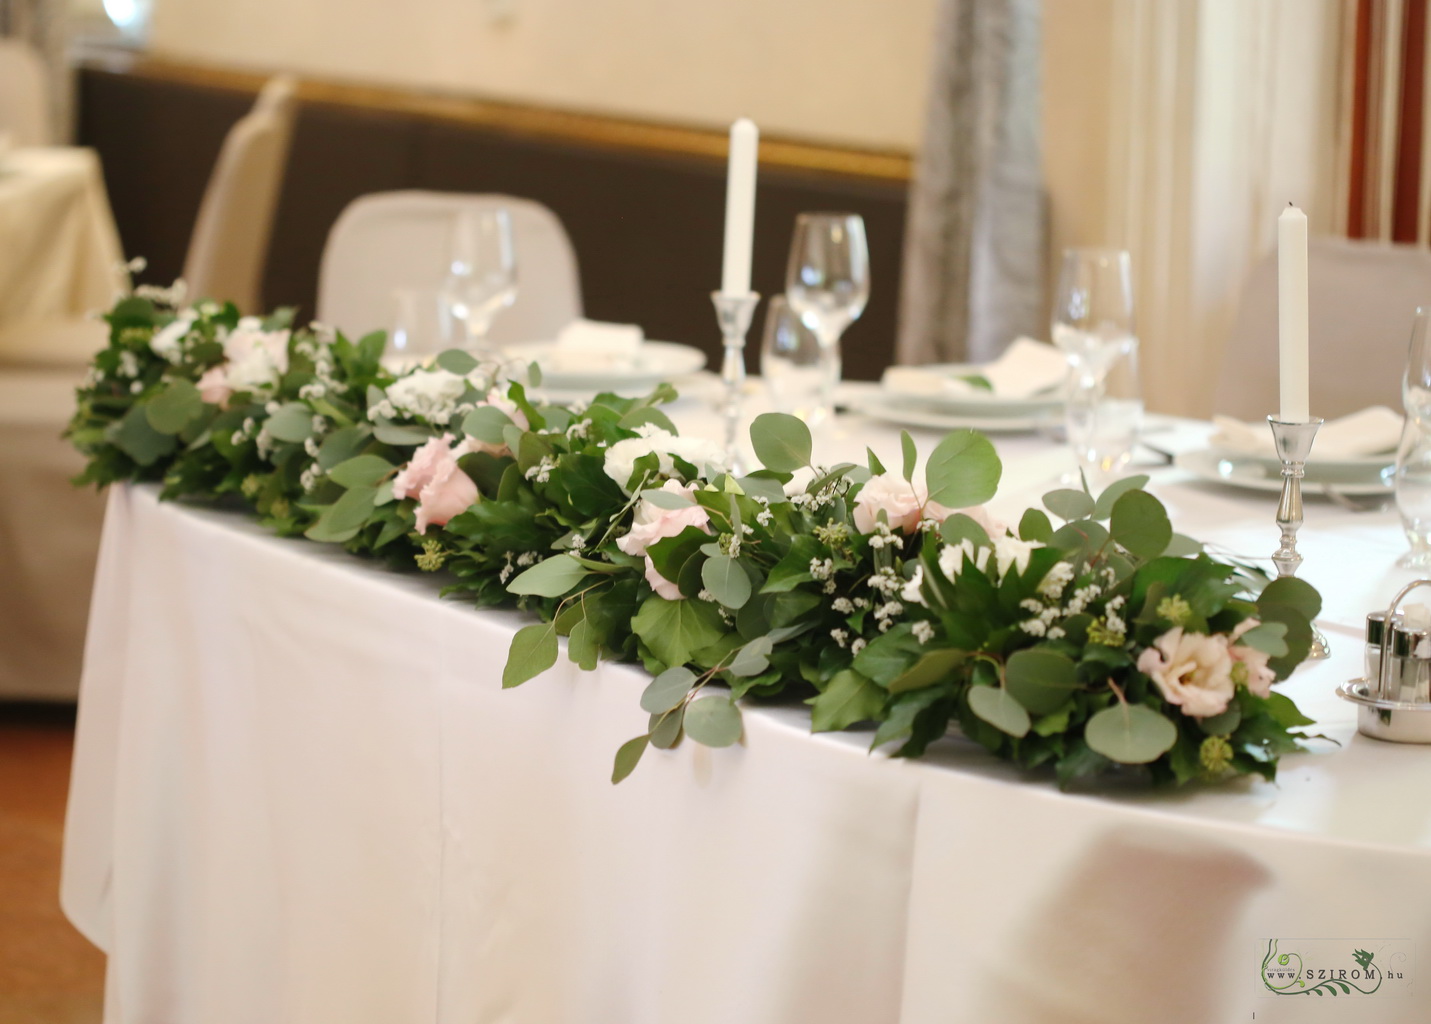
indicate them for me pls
(1041, 680)
(1140, 524)
(713, 721)
(361, 471)
(293, 422)
(963, 470)
(456, 361)
(628, 756)
(849, 698)
(1130, 733)
(533, 651)
(674, 630)
(175, 407)
(551, 577)
(1069, 504)
(726, 580)
(782, 442)
(667, 690)
(997, 707)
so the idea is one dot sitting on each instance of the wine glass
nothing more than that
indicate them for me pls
(1412, 477)
(1093, 325)
(827, 283)
(482, 274)
(792, 363)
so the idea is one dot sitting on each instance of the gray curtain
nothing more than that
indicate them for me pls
(974, 258)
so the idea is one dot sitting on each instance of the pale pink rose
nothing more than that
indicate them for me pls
(214, 386)
(1192, 670)
(901, 501)
(432, 477)
(652, 523)
(497, 400)
(937, 512)
(1259, 677)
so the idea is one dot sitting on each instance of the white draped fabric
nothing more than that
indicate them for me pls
(300, 794)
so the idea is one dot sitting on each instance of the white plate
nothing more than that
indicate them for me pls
(1252, 473)
(983, 404)
(1363, 467)
(656, 361)
(890, 407)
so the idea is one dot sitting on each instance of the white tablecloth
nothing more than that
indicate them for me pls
(59, 250)
(300, 795)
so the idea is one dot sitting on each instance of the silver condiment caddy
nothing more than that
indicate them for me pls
(1393, 699)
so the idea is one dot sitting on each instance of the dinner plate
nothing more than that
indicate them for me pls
(982, 404)
(1357, 469)
(655, 361)
(890, 407)
(1261, 475)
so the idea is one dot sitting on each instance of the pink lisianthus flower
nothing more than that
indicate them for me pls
(1259, 678)
(432, 477)
(214, 386)
(1191, 670)
(497, 400)
(653, 523)
(906, 502)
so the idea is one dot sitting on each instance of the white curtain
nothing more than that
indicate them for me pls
(45, 25)
(975, 238)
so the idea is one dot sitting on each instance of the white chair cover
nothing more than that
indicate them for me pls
(229, 245)
(393, 240)
(24, 95)
(1363, 297)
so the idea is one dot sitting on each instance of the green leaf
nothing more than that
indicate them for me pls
(1130, 733)
(667, 690)
(782, 442)
(1285, 712)
(645, 414)
(1183, 546)
(533, 651)
(911, 454)
(999, 709)
(1035, 526)
(1140, 524)
(293, 422)
(628, 757)
(389, 433)
(455, 360)
(1223, 724)
(934, 667)
(876, 467)
(361, 471)
(343, 519)
(666, 728)
(666, 499)
(1041, 680)
(581, 646)
(753, 658)
(141, 442)
(486, 423)
(963, 470)
(726, 580)
(960, 527)
(849, 698)
(1103, 508)
(552, 577)
(1269, 638)
(1290, 592)
(713, 721)
(1067, 503)
(674, 630)
(341, 445)
(175, 407)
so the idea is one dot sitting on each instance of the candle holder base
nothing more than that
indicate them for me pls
(733, 316)
(1294, 443)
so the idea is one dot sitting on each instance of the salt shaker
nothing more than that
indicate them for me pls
(1375, 637)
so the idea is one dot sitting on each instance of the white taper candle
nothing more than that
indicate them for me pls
(1292, 338)
(739, 207)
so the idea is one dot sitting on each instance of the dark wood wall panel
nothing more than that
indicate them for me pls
(647, 227)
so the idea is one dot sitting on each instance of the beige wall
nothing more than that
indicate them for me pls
(841, 71)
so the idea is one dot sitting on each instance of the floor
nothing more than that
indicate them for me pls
(49, 974)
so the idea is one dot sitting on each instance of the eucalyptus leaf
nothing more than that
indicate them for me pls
(455, 360)
(726, 580)
(666, 728)
(551, 577)
(999, 709)
(666, 499)
(391, 433)
(342, 520)
(361, 471)
(1130, 733)
(628, 756)
(1223, 724)
(1035, 526)
(141, 442)
(713, 721)
(175, 407)
(753, 658)
(1291, 592)
(1140, 525)
(293, 422)
(581, 646)
(1268, 637)
(1068, 503)
(667, 690)
(782, 442)
(341, 445)
(1041, 680)
(963, 470)
(533, 651)
(486, 423)
(934, 667)
(645, 414)
(1103, 507)
(1183, 546)
(911, 454)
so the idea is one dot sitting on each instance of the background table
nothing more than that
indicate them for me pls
(300, 794)
(59, 250)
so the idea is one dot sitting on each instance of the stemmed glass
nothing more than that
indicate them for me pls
(482, 275)
(827, 283)
(1413, 455)
(1093, 325)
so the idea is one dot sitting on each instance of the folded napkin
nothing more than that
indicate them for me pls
(585, 346)
(1025, 369)
(1373, 431)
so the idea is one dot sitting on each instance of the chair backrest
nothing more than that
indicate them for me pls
(24, 95)
(230, 241)
(1363, 298)
(395, 240)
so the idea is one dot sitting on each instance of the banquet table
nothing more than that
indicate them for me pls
(300, 794)
(59, 249)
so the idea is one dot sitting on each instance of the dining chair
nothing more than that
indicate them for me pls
(24, 95)
(388, 241)
(1363, 296)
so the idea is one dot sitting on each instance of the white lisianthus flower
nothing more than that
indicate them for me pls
(620, 461)
(1191, 670)
(431, 394)
(255, 358)
(167, 342)
(951, 558)
(1010, 552)
(912, 592)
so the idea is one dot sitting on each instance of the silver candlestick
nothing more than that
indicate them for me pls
(733, 314)
(1294, 444)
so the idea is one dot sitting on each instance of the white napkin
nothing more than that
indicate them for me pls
(1372, 431)
(1025, 369)
(587, 346)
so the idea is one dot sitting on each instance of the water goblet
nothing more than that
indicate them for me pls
(792, 364)
(482, 273)
(1412, 473)
(827, 284)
